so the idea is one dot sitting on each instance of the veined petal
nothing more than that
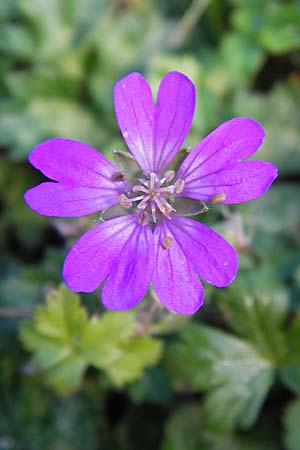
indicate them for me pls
(87, 181)
(174, 279)
(60, 200)
(134, 110)
(129, 279)
(73, 163)
(230, 143)
(209, 254)
(172, 117)
(120, 249)
(238, 183)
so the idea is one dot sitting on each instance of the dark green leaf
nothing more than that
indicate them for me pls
(291, 426)
(235, 375)
(290, 366)
(186, 430)
(255, 306)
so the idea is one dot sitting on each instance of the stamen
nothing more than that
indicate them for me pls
(143, 204)
(217, 198)
(153, 212)
(143, 218)
(168, 176)
(167, 205)
(167, 242)
(144, 182)
(140, 189)
(135, 199)
(178, 186)
(124, 201)
(159, 204)
(153, 180)
(118, 176)
(153, 198)
(168, 189)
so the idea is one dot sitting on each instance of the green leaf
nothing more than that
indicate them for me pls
(8, 9)
(48, 20)
(276, 211)
(63, 318)
(185, 430)
(64, 341)
(276, 28)
(241, 59)
(152, 387)
(110, 343)
(135, 357)
(58, 80)
(103, 337)
(66, 376)
(289, 370)
(44, 118)
(15, 40)
(235, 375)
(255, 306)
(54, 336)
(291, 426)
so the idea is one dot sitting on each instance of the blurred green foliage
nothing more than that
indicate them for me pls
(65, 341)
(73, 376)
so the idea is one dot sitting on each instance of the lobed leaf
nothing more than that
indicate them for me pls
(64, 341)
(236, 377)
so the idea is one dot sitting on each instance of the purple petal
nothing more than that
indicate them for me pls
(173, 117)
(231, 142)
(73, 163)
(209, 254)
(59, 200)
(239, 183)
(86, 179)
(134, 111)
(174, 280)
(129, 279)
(120, 249)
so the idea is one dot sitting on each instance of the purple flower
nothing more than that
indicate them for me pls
(145, 236)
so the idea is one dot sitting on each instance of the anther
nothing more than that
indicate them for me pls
(153, 181)
(118, 176)
(168, 176)
(217, 198)
(124, 201)
(167, 242)
(178, 186)
(144, 218)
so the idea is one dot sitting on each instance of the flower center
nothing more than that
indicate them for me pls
(155, 196)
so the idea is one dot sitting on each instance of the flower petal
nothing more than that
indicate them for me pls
(73, 163)
(60, 200)
(239, 183)
(129, 279)
(209, 254)
(87, 181)
(134, 111)
(120, 249)
(173, 117)
(174, 280)
(231, 142)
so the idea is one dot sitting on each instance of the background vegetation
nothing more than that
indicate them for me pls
(75, 377)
